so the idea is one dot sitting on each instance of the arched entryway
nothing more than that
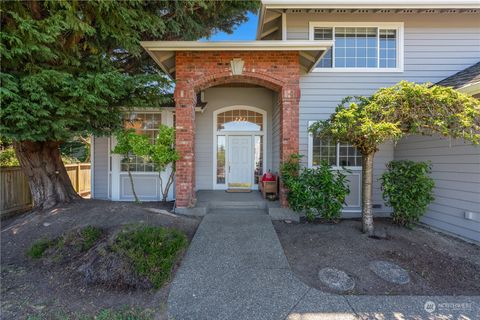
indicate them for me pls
(196, 71)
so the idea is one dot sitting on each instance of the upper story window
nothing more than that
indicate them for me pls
(360, 46)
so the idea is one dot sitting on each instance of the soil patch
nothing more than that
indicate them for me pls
(49, 289)
(436, 263)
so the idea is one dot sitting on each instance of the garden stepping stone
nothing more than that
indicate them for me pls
(390, 272)
(336, 279)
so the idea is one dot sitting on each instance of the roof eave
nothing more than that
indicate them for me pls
(370, 4)
(261, 18)
(471, 88)
(163, 52)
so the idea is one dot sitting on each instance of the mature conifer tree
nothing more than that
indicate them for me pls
(68, 66)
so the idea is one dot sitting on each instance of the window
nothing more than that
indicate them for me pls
(258, 171)
(239, 120)
(335, 154)
(221, 159)
(144, 123)
(360, 46)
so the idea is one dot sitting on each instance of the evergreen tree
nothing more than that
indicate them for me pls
(68, 66)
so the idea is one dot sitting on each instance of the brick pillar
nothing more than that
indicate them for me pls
(185, 101)
(289, 113)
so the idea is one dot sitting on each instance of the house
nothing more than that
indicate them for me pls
(241, 108)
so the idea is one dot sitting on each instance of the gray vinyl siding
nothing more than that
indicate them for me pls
(100, 168)
(435, 47)
(218, 98)
(456, 172)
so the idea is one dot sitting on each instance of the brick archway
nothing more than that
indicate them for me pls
(278, 71)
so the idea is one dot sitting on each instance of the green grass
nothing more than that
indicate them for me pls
(153, 251)
(84, 239)
(106, 314)
(90, 235)
(37, 249)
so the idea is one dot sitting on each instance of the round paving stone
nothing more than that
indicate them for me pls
(336, 279)
(390, 272)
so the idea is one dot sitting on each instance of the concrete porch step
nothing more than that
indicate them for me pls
(237, 211)
(212, 205)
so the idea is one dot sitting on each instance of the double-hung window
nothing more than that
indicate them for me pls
(146, 123)
(335, 154)
(360, 46)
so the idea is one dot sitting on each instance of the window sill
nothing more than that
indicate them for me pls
(339, 168)
(367, 70)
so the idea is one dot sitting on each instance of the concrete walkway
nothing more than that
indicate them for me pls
(235, 268)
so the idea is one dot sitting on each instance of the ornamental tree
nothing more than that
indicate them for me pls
(163, 154)
(130, 144)
(67, 66)
(390, 114)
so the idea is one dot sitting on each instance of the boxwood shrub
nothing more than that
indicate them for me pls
(408, 189)
(317, 191)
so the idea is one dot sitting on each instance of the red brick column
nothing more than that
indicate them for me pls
(289, 130)
(185, 101)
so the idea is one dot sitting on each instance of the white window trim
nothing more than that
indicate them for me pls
(399, 26)
(217, 186)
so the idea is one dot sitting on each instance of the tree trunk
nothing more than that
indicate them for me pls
(367, 179)
(47, 177)
(167, 186)
(131, 181)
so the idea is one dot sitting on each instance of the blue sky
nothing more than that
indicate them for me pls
(246, 31)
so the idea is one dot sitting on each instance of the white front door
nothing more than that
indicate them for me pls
(240, 162)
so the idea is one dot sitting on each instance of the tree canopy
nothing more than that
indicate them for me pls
(68, 65)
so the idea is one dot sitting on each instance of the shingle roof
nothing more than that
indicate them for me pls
(463, 78)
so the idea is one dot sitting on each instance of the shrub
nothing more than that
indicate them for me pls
(317, 192)
(37, 249)
(153, 251)
(408, 189)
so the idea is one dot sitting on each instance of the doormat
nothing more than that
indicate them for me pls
(238, 190)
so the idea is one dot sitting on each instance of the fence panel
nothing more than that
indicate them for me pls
(15, 192)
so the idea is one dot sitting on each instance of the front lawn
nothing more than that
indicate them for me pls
(92, 258)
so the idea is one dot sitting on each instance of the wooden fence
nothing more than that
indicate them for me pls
(15, 192)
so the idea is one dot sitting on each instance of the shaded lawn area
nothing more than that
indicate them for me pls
(438, 264)
(41, 287)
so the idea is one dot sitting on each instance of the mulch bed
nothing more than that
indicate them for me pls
(34, 287)
(437, 264)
